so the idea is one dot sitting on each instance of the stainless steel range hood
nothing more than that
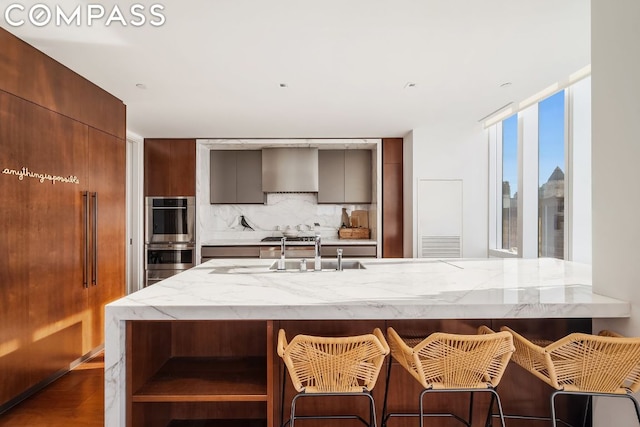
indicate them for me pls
(290, 170)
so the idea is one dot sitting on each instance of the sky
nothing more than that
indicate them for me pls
(550, 141)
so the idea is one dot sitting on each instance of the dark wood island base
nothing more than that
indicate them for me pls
(227, 374)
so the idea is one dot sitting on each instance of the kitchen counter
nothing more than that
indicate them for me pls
(257, 242)
(385, 289)
(234, 289)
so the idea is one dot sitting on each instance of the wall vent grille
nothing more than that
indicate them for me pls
(440, 247)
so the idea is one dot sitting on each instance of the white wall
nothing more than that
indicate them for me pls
(450, 152)
(615, 71)
(408, 196)
(135, 212)
(528, 182)
(578, 204)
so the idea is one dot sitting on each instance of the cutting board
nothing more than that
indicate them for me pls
(360, 219)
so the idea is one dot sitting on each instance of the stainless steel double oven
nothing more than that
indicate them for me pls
(169, 236)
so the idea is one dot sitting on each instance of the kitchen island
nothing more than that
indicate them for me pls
(224, 315)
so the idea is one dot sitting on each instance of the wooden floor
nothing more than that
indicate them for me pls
(76, 399)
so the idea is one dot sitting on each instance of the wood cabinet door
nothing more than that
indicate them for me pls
(108, 214)
(169, 167)
(157, 165)
(41, 288)
(183, 167)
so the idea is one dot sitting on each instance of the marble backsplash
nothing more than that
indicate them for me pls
(282, 210)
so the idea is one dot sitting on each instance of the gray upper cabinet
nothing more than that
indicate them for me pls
(223, 176)
(249, 177)
(344, 176)
(236, 176)
(330, 176)
(357, 176)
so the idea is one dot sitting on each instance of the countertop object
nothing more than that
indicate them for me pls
(360, 218)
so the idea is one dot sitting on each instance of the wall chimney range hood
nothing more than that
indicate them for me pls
(290, 170)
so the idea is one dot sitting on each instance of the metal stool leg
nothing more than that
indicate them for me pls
(586, 411)
(590, 396)
(553, 408)
(421, 406)
(489, 421)
(497, 399)
(293, 410)
(372, 411)
(468, 422)
(636, 406)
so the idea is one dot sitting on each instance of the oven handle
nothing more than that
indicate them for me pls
(170, 246)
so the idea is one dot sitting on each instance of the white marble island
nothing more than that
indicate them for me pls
(385, 290)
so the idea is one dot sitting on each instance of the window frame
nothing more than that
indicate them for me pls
(528, 185)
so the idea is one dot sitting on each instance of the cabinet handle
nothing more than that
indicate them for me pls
(85, 218)
(94, 269)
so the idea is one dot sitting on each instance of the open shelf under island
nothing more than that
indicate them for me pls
(198, 349)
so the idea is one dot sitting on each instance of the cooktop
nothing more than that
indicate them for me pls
(290, 239)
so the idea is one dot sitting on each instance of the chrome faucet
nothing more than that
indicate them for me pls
(318, 261)
(339, 268)
(282, 261)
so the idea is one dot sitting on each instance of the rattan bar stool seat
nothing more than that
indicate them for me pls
(445, 362)
(335, 366)
(607, 364)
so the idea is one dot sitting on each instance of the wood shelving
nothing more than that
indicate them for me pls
(207, 379)
(200, 373)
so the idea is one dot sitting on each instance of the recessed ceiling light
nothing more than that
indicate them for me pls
(409, 84)
(284, 85)
(140, 86)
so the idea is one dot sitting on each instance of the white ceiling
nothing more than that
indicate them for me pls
(214, 68)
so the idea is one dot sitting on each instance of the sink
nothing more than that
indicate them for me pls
(348, 264)
(327, 265)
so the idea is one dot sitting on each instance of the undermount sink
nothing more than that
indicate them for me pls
(327, 265)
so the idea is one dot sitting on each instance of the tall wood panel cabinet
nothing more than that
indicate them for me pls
(392, 198)
(106, 178)
(62, 157)
(170, 167)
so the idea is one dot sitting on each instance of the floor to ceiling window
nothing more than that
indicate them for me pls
(551, 172)
(510, 184)
(543, 148)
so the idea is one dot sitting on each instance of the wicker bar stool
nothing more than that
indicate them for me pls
(452, 363)
(329, 366)
(606, 365)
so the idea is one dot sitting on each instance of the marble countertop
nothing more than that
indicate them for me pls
(385, 289)
(250, 242)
